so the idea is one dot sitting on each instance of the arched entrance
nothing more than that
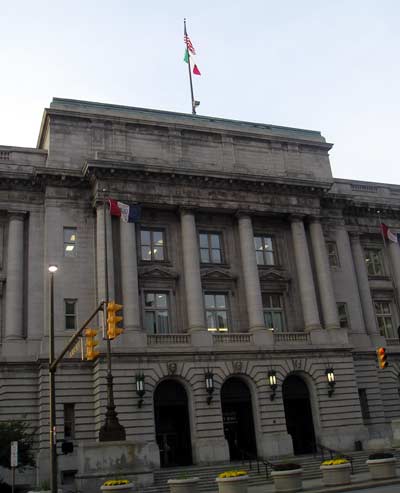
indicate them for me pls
(237, 415)
(172, 424)
(299, 420)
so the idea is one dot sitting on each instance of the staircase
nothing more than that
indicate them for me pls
(208, 473)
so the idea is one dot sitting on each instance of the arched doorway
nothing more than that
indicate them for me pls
(172, 424)
(299, 420)
(237, 415)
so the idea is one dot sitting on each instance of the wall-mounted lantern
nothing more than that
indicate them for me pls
(140, 388)
(330, 376)
(272, 383)
(209, 385)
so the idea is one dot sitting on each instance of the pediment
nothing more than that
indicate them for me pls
(274, 275)
(216, 274)
(158, 273)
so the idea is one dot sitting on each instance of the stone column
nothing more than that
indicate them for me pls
(363, 285)
(305, 276)
(100, 239)
(129, 275)
(250, 274)
(394, 254)
(15, 278)
(191, 267)
(328, 302)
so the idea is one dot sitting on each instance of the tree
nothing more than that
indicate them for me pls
(16, 431)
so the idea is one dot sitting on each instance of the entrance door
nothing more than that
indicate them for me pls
(172, 424)
(299, 420)
(238, 421)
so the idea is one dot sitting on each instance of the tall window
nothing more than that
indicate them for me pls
(156, 313)
(273, 311)
(264, 250)
(374, 261)
(333, 256)
(342, 314)
(216, 305)
(362, 394)
(384, 318)
(69, 242)
(69, 421)
(210, 248)
(152, 244)
(70, 314)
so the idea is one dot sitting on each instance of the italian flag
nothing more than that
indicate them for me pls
(187, 57)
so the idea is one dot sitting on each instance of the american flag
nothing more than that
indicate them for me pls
(188, 44)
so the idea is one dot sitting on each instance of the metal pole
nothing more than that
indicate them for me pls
(53, 438)
(190, 73)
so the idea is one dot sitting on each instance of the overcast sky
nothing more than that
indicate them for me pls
(328, 65)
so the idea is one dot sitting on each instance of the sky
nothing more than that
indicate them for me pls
(324, 65)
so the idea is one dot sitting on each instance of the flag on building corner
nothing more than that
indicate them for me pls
(388, 234)
(190, 52)
(128, 213)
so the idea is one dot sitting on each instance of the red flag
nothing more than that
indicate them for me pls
(388, 234)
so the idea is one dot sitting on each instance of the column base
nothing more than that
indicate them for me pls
(201, 338)
(263, 337)
(309, 328)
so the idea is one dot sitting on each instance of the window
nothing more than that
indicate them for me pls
(69, 421)
(210, 248)
(273, 311)
(264, 250)
(362, 394)
(333, 256)
(374, 261)
(69, 242)
(152, 244)
(156, 313)
(70, 314)
(216, 305)
(383, 314)
(342, 314)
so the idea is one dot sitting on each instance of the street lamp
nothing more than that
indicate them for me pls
(53, 438)
(330, 376)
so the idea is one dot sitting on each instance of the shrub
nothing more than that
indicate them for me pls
(381, 455)
(336, 461)
(5, 487)
(285, 466)
(116, 482)
(18, 431)
(232, 474)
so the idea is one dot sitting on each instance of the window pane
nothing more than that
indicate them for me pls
(276, 300)
(216, 256)
(268, 320)
(145, 237)
(220, 301)
(204, 256)
(146, 253)
(267, 243)
(203, 240)
(158, 253)
(278, 321)
(266, 300)
(149, 299)
(215, 243)
(269, 258)
(158, 238)
(210, 321)
(260, 258)
(149, 322)
(162, 322)
(161, 300)
(222, 320)
(70, 307)
(209, 301)
(70, 322)
(258, 243)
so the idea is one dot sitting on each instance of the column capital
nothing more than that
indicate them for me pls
(354, 236)
(187, 210)
(16, 215)
(296, 218)
(315, 218)
(243, 213)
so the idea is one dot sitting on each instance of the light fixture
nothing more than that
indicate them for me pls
(209, 385)
(272, 383)
(140, 388)
(330, 375)
(53, 268)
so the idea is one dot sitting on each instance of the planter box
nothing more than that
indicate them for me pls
(188, 485)
(233, 485)
(288, 481)
(336, 475)
(120, 488)
(382, 468)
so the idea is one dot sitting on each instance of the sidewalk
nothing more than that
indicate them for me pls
(358, 481)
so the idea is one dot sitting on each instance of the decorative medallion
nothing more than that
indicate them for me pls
(237, 366)
(171, 367)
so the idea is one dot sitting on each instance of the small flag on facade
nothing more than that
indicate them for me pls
(128, 213)
(388, 234)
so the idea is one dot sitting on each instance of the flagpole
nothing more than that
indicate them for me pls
(190, 72)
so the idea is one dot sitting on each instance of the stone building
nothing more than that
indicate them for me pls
(249, 262)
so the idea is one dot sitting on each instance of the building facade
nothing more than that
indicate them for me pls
(248, 263)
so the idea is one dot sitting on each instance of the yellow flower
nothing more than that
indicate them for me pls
(334, 462)
(232, 474)
(116, 482)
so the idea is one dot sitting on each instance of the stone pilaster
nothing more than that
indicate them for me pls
(101, 237)
(304, 273)
(328, 302)
(191, 267)
(15, 277)
(394, 254)
(250, 273)
(363, 285)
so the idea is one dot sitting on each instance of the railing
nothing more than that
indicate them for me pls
(252, 458)
(332, 453)
(4, 155)
(232, 338)
(167, 339)
(364, 188)
(301, 337)
(393, 342)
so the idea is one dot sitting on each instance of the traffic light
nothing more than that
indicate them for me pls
(91, 343)
(67, 447)
(113, 319)
(382, 358)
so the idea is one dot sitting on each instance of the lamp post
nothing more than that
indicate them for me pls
(53, 438)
